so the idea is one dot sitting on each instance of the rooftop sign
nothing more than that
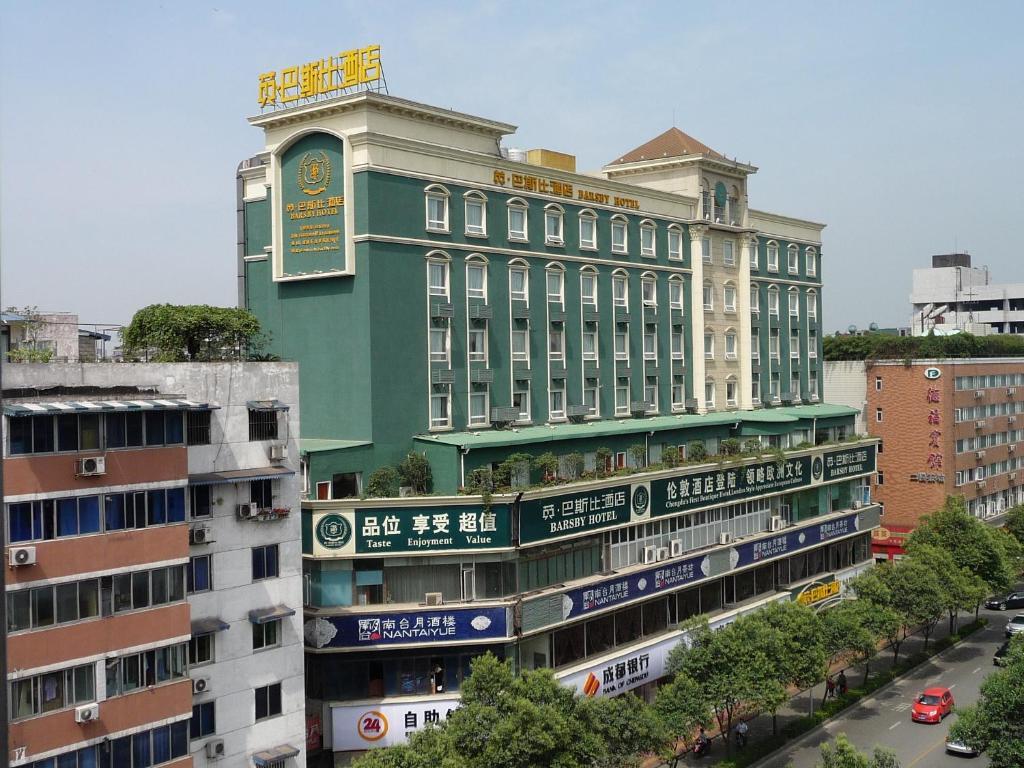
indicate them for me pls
(322, 77)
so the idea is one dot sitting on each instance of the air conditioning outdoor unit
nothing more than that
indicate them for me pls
(981, 483)
(979, 394)
(776, 523)
(650, 554)
(1011, 420)
(91, 465)
(21, 556)
(663, 553)
(725, 538)
(434, 598)
(676, 547)
(1013, 475)
(248, 511)
(1011, 447)
(979, 454)
(215, 748)
(1011, 391)
(201, 685)
(87, 713)
(856, 503)
(278, 452)
(200, 534)
(979, 424)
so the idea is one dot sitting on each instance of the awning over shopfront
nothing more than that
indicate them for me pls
(239, 475)
(264, 615)
(102, 406)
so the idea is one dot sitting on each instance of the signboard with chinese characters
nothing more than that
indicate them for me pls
(411, 530)
(849, 462)
(369, 630)
(933, 398)
(623, 672)
(624, 589)
(312, 206)
(530, 183)
(729, 484)
(355, 727)
(572, 514)
(818, 591)
(349, 70)
(752, 552)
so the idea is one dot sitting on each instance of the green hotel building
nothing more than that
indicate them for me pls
(643, 331)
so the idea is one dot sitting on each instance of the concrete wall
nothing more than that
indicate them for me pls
(846, 383)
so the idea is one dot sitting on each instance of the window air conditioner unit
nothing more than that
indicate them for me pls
(87, 713)
(1013, 475)
(676, 547)
(92, 465)
(981, 483)
(201, 685)
(1011, 420)
(776, 523)
(979, 455)
(248, 511)
(278, 452)
(979, 424)
(434, 598)
(856, 503)
(663, 553)
(650, 554)
(215, 748)
(979, 394)
(725, 538)
(21, 556)
(1011, 447)
(200, 534)
(1011, 391)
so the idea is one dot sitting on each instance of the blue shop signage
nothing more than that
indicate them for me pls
(612, 592)
(365, 630)
(793, 541)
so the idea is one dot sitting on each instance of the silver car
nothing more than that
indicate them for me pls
(952, 745)
(1015, 625)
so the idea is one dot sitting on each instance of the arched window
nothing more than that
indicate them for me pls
(555, 278)
(709, 296)
(476, 213)
(649, 286)
(729, 297)
(732, 389)
(554, 216)
(755, 299)
(811, 261)
(517, 218)
(793, 259)
(620, 288)
(793, 299)
(773, 300)
(675, 292)
(588, 229)
(620, 226)
(773, 256)
(709, 344)
(437, 208)
(588, 287)
(648, 237)
(438, 283)
(755, 262)
(734, 205)
(812, 304)
(675, 242)
(709, 392)
(476, 276)
(519, 280)
(730, 344)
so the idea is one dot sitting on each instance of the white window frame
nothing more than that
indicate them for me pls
(590, 356)
(648, 229)
(677, 344)
(793, 259)
(772, 257)
(812, 384)
(730, 306)
(709, 348)
(619, 278)
(524, 356)
(650, 345)
(755, 387)
(773, 301)
(445, 393)
(522, 388)
(793, 298)
(755, 299)
(560, 297)
(624, 355)
(591, 217)
(705, 250)
(675, 243)
(730, 335)
(812, 305)
(708, 296)
(592, 389)
(620, 224)
(554, 213)
(678, 395)
(755, 344)
(794, 349)
(525, 270)
(472, 264)
(649, 290)
(476, 357)
(623, 409)
(520, 205)
(588, 273)
(444, 291)
(729, 253)
(556, 414)
(811, 261)
(651, 388)
(475, 391)
(774, 349)
(445, 333)
(559, 333)
(436, 192)
(731, 384)
(709, 402)
(675, 285)
(754, 257)
(476, 199)
(812, 343)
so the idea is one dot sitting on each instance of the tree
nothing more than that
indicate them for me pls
(383, 483)
(29, 350)
(638, 453)
(961, 589)
(844, 755)
(429, 748)
(909, 590)
(414, 470)
(695, 451)
(1015, 523)
(670, 456)
(604, 461)
(799, 648)
(682, 708)
(547, 465)
(170, 333)
(628, 727)
(574, 464)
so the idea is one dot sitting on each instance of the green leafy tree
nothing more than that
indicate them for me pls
(429, 748)
(514, 471)
(695, 451)
(574, 464)
(908, 589)
(414, 470)
(638, 453)
(547, 465)
(604, 461)
(842, 754)
(855, 627)
(1015, 523)
(383, 483)
(961, 589)
(29, 349)
(627, 726)
(683, 708)
(171, 333)
(798, 646)
(670, 456)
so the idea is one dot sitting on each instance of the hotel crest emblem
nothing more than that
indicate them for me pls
(314, 172)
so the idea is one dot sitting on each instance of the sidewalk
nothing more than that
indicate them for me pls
(799, 704)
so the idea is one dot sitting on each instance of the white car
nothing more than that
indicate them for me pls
(1015, 625)
(959, 747)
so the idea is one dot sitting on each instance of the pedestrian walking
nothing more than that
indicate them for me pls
(841, 682)
(741, 734)
(830, 687)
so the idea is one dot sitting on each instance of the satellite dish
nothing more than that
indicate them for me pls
(852, 329)
(873, 327)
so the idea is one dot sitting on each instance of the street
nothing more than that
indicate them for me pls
(884, 717)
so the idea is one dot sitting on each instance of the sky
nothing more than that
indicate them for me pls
(896, 124)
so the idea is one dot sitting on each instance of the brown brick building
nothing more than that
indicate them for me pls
(948, 427)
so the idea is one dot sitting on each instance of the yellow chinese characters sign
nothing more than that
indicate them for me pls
(562, 189)
(322, 77)
(817, 592)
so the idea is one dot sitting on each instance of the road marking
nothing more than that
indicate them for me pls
(952, 686)
(901, 707)
(976, 670)
(893, 725)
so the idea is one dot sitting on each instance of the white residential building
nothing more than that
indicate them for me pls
(953, 296)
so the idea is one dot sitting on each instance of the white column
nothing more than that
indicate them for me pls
(697, 313)
(748, 243)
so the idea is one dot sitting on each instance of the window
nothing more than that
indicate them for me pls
(590, 345)
(793, 259)
(794, 302)
(755, 344)
(729, 253)
(143, 589)
(755, 300)
(437, 278)
(794, 345)
(478, 401)
(197, 427)
(261, 493)
(621, 346)
(649, 288)
(46, 606)
(878, 384)
(651, 393)
(755, 387)
(647, 239)
(794, 384)
(812, 385)
(773, 300)
(204, 721)
(199, 576)
(588, 288)
(555, 284)
(477, 345)
(709, 393)
(437, 209)
(705, 250)
(621, 399)
(878, 414)
(729, 297)
(266, 635)
(590, 396)
(675, 243)
(439, 344)
(678, 394)
(521, 399)
(812, 343)
(268, 701)
(518, 283)
(880, 479)
(773, 387)
(677, 343)
(553, 225)
(709, 345)
(556, 408)
(620, 290)
(588, 230)
(811, 262)
(517, 219)
(650, 345)
(754, 261)
(675, 293)
(709, 297)
(731, 392)
(476, 280)
(200, 649)
(53, 518)
(773, 256)
(556, 343)
(773, 344)
(812, 305)
(520, 345)
(265, 562)
(52, 691)
(618, 234)
(730, 345)
(476, 214)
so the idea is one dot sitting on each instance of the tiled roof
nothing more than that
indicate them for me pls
(672, 143)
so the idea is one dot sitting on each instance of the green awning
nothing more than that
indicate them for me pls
(323, 445)
(818, 411)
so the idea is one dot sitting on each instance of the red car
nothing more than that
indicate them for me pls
(932, 705)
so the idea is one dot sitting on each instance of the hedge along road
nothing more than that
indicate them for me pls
(884, 717)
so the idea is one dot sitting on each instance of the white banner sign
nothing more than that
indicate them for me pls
(383, 724)
(618, 674)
